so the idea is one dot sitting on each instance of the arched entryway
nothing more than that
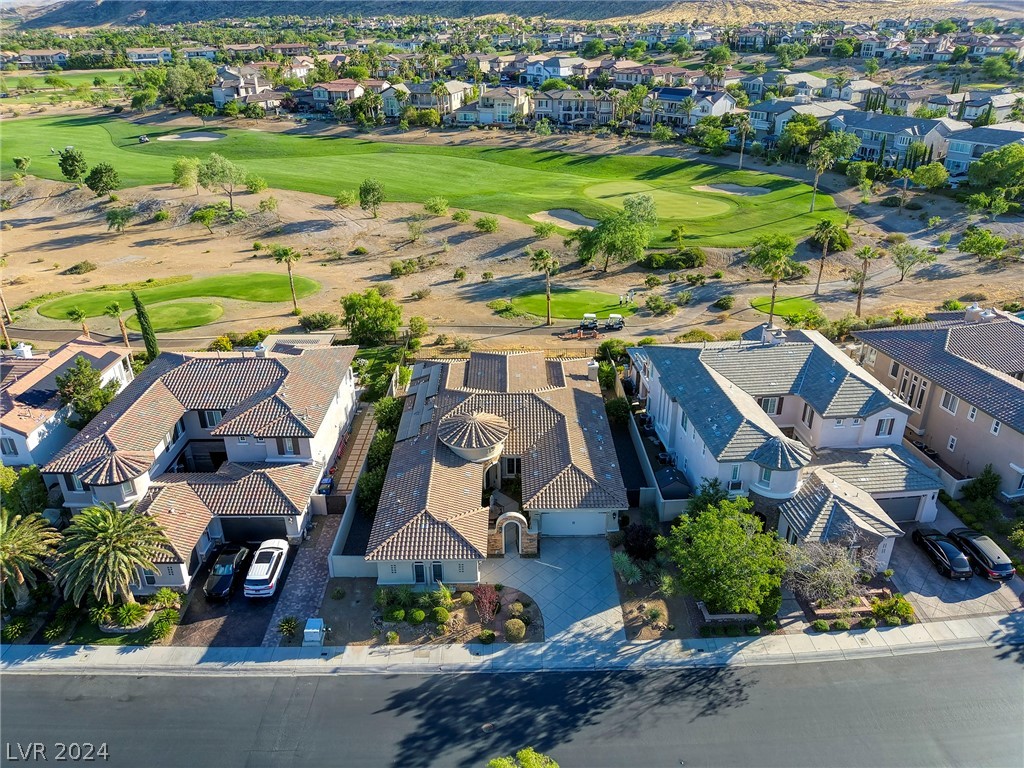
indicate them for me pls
(511, 536)
(512, 526)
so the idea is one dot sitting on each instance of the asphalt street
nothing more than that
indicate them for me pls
(959, 708)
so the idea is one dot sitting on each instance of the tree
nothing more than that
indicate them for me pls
(205, 216)
(841, 144)
(799, 133)
(982, 243)
(871, 67)
(720, 54)
(553, 84)
(220, 173)
(370, 318)
(102, 179)
(907, 257)
(72, 164)
(824, 571)
(81, 388)
(104, 550)
(113, 310)
(826, 233)
(542, 261)
(724, 558)
(231, 109)
(710, 493)
(821, 160)
(996, 68)
(773, 255)
(143, 99)
(842, 50)
(742, 125)
(623, 236)
(254, 111)
(76, 315)
(371, 196)
(119, 218)
(711, 136)
(146, 327)
(866, 254)
(906, 175)
(662, 133)
(185, 173)
(284, 255)
(27, 541)
(22, 163)
(932, 175)
(524, 758)
(1000, 168)
(203, 111)
(687, 106)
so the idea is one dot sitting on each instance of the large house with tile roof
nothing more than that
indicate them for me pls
(776, 410)
(216, 447)
(962, 374)
(33, 423)
(492, 453)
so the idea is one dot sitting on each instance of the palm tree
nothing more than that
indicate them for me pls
(865, 254)
(440, 93)
(686, 106)
(543, 261)
(103, 551)
(773, 255)
(113, 309)
(826, 233)
(839, 81)
(3, 301)
(742, 124)
(678, 233)
(76, 315)
(26, 542)
(284, 255)
(821, 160)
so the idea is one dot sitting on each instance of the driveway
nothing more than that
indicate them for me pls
(573, 584)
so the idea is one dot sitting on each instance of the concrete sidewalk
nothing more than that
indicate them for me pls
(1004, 632)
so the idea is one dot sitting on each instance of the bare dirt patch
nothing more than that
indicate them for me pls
(563, 217)
(195, 136)
(732, 189)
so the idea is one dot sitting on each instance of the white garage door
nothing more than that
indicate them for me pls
(902, 509)
(573, 524)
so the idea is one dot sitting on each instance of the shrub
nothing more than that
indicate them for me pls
(440, 615)
(101, 614)
(686, 258)
(893, 621)
(984, 486)
(820, 625)
(67, 613)
(628, 571)
(770, 625)
(395, 615)
(893, 201)
(841, 625)
(606, 374)
(504, 308)
(460, 273)
(868, 622)
(461, 344)
(14, 628)
(771, 605)
(683, 298)
(952, 305)
(640, 542)
(436, 205)
(391, 638)
(896, 607)
(652, 281)
(487, 276)
(486, 224)
(461, 216)
(346, 199)
(487, 603)
(417, 616)
(615, 539)
(515, 631)
(697, 278)
(337, 593)
(161, 216)
(725, 302)
(894, 238)
(753, 630)
(360, 250)
(692, 336)
(80, 268)
(657, 306)
(486, 636)
(515, 610)
(319, 321)
(54, 630)
(466, 598)
(129, 614)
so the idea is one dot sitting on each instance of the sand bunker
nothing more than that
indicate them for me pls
(195, 136)
(732, 189)
(563, 217)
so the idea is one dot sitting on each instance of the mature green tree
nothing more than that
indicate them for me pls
(720, 55)
(288, 256)
(982, 243)
(724, 558)
(999, 169)
(103, 179)
(371, 196)
(203, 111)
(542, 261)
(932, 175)
(23, 491)
(866, 254)
(553, 84)
(524, 758)
(370, 318)
(72, 164)
(27, 541)
(119, 218)
(773, 256)
(104, 550)
(81, 388)
(143, 99)
(842, 50)
(710, 493)
(220, 173)
(826, 233)
(146, 327)
(799, 134)
(623, 236)
(840, 144)
(186, 173)
(871, 67)
(907, 257)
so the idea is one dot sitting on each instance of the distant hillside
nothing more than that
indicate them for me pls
(94, 13)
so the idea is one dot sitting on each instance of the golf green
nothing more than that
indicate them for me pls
(178, 315)
(785, 306)
(570, 304)
(256, 286)
(511, 182)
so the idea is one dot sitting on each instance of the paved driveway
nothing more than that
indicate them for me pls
(573, 584)
(934, 596)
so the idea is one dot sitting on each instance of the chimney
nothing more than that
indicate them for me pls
(973, 313)
(592, 368)
(261, 351)
(987, 316)
(771, 335)
(23, 350)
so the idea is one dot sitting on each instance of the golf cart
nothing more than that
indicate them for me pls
(614, 323)
(589, 322)
(143, 139)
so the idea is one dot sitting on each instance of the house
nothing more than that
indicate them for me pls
(578, 108)
(886, 138)
(776, 411)
(906, 99)
(238, 84)
(148, 56)
(967, 146)
(216, 447)
(994, 106)
(326, 95)
(663, 106)
(496, 106)
(45, 58)
(246, 50)
(854, 91)
(456, 93)
(769, 118)
(527, 433)
(802, 83)
(290, 49)
(33, 424)
(199, 52)
(935, 48)
(396, 97)
(560, 67)
(962, 373)
(648, 75)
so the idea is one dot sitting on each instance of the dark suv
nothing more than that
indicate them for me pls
(987, 559)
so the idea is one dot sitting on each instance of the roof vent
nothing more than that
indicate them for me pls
(973, 313)
(23, 350)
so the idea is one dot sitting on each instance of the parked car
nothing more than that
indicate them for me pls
(227, 569)
(265, 572)
(949, 560)
(985, 556)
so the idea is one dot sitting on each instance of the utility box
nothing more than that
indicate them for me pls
(313, 634)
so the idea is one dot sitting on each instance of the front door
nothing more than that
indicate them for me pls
(420, 573)
(511, 534)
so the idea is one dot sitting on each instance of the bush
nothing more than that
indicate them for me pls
(319, 321)
(657, 306)
(772, 604)
(640, 542)
(129, 614)
(337, 593)
(515, 610)
(487, 276)
(161, 216)
(461, 216)
(360, 250)
(515, 631)
(984, 486)
(868, 622)
(652, 281)
(893, 621)
(686, 258)
(486, 636)
(486, 224)
(725, 302)
(615, 539)
(460, 273)
(67, 613)
(841, 625)
(417, 617)
(346, 199)
(606, 374)
(771, 625)
(440, 615)
(391, 638)
(14, 628)
(466, 598)
(820, 625)
(460, 344)
(101, 614)
(693, 336)
(395, 615)
(54, 630)
(952, 305)
(80, 268)
(893, 201)
(896, 607)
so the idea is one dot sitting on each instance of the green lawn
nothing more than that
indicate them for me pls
(179, 315)
(570, 304)
(11, 79)
(512, 182)
(87, 633)
(784, 306)
(380, 358)
(256, 286)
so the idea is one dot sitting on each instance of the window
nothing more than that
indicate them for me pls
(770, 405)
(808, 417)
(437, 572)
(920, 395)
(972, 414)
(703, 449)
(1020, 485)
(951, 445)
(856, 422)
(950, 402)
(210, 419)
(884, 428)
(840, 423)
(260, 440)
(73, 483)
(995, 427)
(513, 465)
(179, 429)
(766, 476)
(735, 483)
(894, 370)
(242, 440)
(683, 422)
(127, 489)
(462, 567)
(7, 447)
(287, 446)
(149, 576)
